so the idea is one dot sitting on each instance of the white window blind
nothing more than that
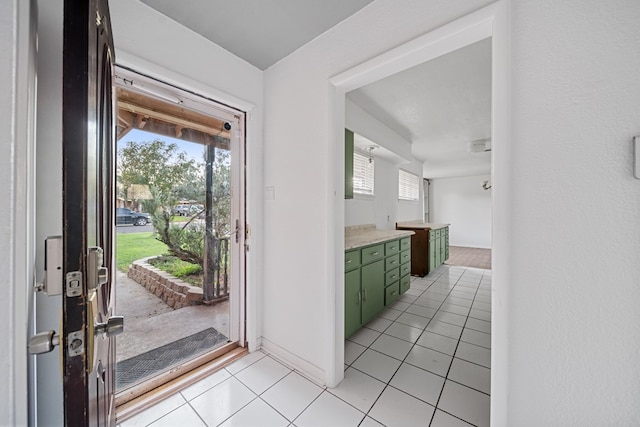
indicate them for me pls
(408, 186)
(363, 173)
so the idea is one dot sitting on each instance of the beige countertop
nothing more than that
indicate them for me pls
(362, 235)
(421, 225)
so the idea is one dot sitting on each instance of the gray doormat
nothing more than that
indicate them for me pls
(132, 370)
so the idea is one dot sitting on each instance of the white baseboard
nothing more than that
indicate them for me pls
(303, 367)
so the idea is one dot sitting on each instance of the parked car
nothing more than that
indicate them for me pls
(181, 209)
(127, 216)
(195, 209)
(187, 209)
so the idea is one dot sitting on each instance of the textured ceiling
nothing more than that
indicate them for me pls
(259, 31)
(440, 106)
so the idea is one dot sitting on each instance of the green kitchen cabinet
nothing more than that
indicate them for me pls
(372, 290)
(445, 243)
(391, 294)
(373, 277)
(432, 251)
(405, 284)
(438, 249)
(352, 302)
(348, 164)
(351, 259)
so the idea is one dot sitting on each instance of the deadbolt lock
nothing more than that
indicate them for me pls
(44, 342)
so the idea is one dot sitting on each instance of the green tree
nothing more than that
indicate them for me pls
(156, 164)
(171, 176)
(194, 189)
(222, 192)
(163, 168)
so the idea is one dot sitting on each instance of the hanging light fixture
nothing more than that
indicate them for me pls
(370, 149)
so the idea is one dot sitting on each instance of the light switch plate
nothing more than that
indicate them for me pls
(636, 156)
(270, 193)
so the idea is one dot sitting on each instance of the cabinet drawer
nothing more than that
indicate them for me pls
(392, 261)
(405, 256)
(351, 260)
(392, 247)
(432, 235)
(391, 294)
(372, 253)
(405, 269)
(405, 284)
(392, 276)
(405, 243)
(438, 233)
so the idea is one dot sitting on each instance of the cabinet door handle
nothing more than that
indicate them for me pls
(393, 277)
(348, 261)
(393, 247)
(393, 262)
(375, 253)
(364, 295)
(394, 293)
(359, 298)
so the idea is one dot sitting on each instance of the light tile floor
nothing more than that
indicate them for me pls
(469, 257)
(424, 361)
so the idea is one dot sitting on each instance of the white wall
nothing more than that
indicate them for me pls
(575, 334)
(572, 330)
(463, 203)
(384, 210)
(17, 109)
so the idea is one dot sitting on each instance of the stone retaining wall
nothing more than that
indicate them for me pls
(173, 291)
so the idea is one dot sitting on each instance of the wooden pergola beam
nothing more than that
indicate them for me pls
(171, 118)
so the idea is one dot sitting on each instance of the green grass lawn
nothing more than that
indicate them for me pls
(133, 246)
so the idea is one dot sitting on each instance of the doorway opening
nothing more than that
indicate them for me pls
(434, 321)
(180, 232)
(489, 22)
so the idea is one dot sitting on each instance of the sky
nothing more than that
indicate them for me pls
(194, 151)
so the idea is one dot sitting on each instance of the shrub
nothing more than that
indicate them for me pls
(178, 268)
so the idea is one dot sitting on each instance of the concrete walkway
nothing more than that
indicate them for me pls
(150, 323)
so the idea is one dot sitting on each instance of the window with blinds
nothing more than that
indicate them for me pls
(363, 173)
(408, 186)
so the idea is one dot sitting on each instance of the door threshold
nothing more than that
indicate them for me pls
(136, 399)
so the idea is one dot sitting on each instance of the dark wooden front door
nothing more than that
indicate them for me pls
(89, 321)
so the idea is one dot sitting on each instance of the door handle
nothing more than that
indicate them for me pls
(111, 328)
(236, 231)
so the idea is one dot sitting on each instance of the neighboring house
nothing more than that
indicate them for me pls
(134, 195)
(570, 339)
